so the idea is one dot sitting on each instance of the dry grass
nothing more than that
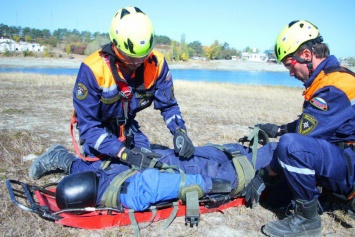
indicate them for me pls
(35, 112)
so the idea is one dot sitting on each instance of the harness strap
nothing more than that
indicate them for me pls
(111, 197)
(126, 94)
(73, 124)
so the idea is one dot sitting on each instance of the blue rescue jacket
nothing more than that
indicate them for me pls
(97, 100)
(329, 105)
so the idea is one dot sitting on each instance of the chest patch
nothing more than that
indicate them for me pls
(81, 91)
(319, 103)
(307, 124)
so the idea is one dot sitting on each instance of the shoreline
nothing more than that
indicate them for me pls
(75, 61)
(11, 62)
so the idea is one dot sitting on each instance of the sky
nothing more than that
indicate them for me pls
(240, 23)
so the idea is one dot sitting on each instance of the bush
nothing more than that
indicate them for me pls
(79, 49)
(28, 53)
(48, 54)
(75, 48)
(7, 53)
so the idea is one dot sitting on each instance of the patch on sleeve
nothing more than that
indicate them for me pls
(81, 91)
(319, 103)
(307, 124)
(168, 77)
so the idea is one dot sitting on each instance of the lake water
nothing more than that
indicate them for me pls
(222, 76)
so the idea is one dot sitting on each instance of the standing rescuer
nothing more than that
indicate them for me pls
(116, 82)
(318, 148)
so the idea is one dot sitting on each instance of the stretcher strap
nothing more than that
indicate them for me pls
(245, 172)
(172, 215)
(111, 197)
(192, 208)
(254, 135)
(244, 169)
(153, 210)
(134, 223)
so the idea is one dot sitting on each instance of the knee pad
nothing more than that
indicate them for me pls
(77, 191)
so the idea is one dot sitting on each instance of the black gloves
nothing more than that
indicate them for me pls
(139, 158)
(271, 130)
(183, 144)
(254, 189)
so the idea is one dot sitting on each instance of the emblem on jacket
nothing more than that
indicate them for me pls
(81, 91)
(307, 124)
(143, 103)
(319, 103)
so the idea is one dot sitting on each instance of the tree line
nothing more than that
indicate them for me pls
(85, 42)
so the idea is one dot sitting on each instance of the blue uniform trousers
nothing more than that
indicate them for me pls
(307, 162)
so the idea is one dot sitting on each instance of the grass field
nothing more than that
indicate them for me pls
(35, 112)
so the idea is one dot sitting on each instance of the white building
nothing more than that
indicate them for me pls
(11, 45)
(254, 57)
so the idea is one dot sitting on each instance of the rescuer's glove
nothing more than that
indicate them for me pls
(254, 189)
(182, 144)
(139, 158)
(271, 130)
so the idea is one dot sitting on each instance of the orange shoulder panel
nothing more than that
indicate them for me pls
(153, 67)
(100, 69)
(343, 81)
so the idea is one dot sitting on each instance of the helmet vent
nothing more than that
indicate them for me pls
(277, 50)
(291, 23)
(124, 12)
(129, 45)
(151, 41)
(138, 10)
(301, 25)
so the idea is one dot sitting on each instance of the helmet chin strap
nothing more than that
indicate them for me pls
(303, 61)
(310, 44)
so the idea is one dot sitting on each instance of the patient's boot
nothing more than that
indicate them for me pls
(55, 158)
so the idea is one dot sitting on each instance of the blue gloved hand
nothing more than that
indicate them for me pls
(254, 189)
(182, 144)
(139, 158)
(271, 130)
